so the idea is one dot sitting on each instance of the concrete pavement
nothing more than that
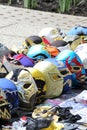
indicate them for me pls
(18, 23)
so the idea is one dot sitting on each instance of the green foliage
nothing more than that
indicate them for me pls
(75, 2)
(78, 2)
(33, 3)
(30, 3)
(10, 2)
(65, 5)
(27, 3)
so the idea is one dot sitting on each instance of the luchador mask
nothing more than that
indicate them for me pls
(10, 90)
(4, 107)
(78, 30)
(51, 34)
(65, 73)
(23, 60)
(61, 45)
(74, 64)
(39, 112)
(54, 81)
(73, 41)
(38, 52)
(26, 88)
(40, 82)
(32, 40)
(81, 51)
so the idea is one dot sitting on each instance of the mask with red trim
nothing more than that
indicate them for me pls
(24, 60)
(50, 34)
(81, 51)
(75, 65)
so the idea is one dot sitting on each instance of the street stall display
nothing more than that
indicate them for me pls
(44, 84)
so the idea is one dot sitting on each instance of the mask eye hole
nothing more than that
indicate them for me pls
(64, 72)
(76, 68)
(54, 77)
(26, 85)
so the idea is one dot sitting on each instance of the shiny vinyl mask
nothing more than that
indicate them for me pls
(38, 53)
(74, 64)
(81, 51)
(26, 88)
(65, 73)
(40, 83)
(11, 92)
(51, 34)
(54, 81)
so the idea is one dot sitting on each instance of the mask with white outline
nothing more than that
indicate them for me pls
(75, 65)
(81, 51)
(51, 34)
(26, 88)
(11, 92)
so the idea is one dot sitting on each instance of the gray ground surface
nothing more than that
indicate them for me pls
(18, 23)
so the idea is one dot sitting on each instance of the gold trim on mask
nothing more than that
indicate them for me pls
(4, 112)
